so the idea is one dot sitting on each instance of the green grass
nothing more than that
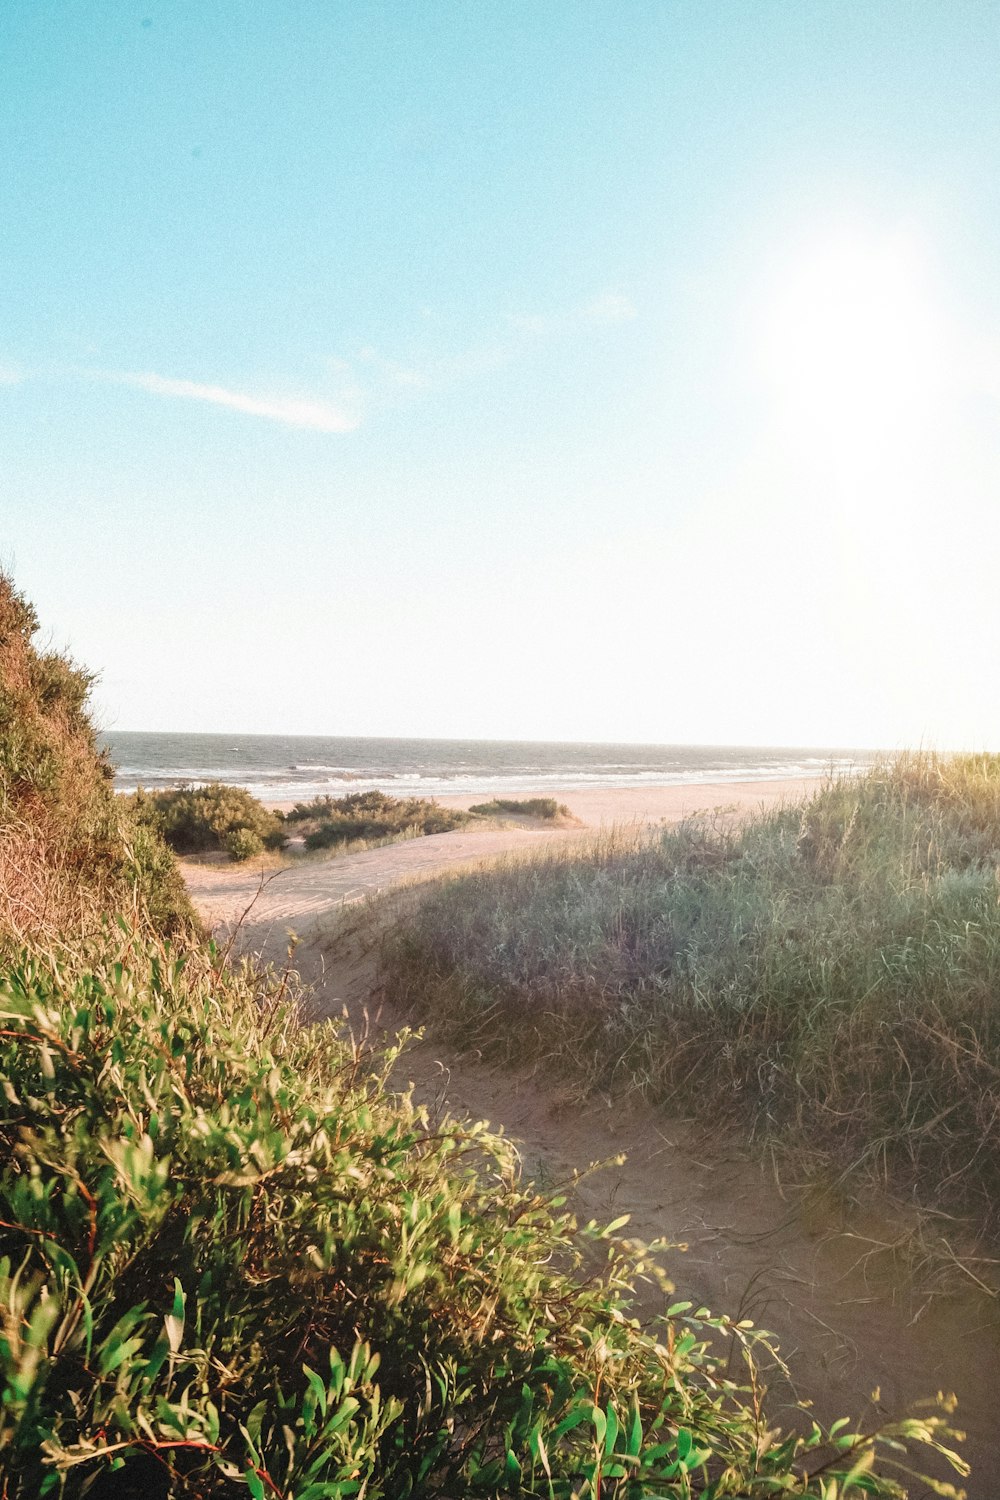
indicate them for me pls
(827, 974)
(529, 807)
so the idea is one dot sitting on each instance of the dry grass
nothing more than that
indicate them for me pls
(826, 975)
(68, 851)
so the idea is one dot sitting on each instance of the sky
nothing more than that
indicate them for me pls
(594, 369)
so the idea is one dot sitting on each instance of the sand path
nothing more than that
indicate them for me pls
(848, 1316)
(297, 896)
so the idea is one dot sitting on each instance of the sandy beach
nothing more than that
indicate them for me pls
(595, 806)
(603, 805)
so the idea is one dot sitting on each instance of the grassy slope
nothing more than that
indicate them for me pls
(828, 972)
(68, 849)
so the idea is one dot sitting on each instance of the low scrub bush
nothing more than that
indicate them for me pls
(242, 844)
(203, 819)
(324, 807)
(232, 1264)
(529, 807)
(828, 972)
(371, 817)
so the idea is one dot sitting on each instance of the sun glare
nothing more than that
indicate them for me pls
(851, 336)
(858, 359)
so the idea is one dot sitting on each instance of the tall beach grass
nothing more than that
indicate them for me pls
(827, 973)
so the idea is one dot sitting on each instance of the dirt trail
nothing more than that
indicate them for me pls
(848, 1318)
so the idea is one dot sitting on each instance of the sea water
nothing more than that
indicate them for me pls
(299, 767)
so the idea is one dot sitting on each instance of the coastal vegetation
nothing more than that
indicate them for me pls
(69, 849)
(210, 819)
(371, 817)
(546, 808)
(234, 1263)
(824, 975)
(222, 819)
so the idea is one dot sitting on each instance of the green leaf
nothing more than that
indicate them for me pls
(634, 1443)
(317, 1387)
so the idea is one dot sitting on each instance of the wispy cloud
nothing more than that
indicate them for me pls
(293, 411)
(389, 371)
(369, 379)
(604, 311)
(379, 380)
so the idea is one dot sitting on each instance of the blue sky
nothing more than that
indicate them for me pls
(591, 370)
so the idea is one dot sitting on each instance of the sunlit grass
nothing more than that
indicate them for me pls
(826, 974)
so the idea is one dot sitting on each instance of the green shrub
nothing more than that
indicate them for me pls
(242, 844)
(529, 807)
(197, 820)
(371, 817)
(232, 1264)
(319, 807)
(827, 972)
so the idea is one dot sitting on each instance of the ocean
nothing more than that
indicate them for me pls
(286, 767)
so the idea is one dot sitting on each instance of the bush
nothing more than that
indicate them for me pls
(827, 972)
(529, 807)
(371, 817)
(197, 820)
(242, 844)
(319, 807)
(232, 1264)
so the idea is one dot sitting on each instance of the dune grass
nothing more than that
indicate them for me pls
(827, 974)
(528, 807)
(370, 818)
